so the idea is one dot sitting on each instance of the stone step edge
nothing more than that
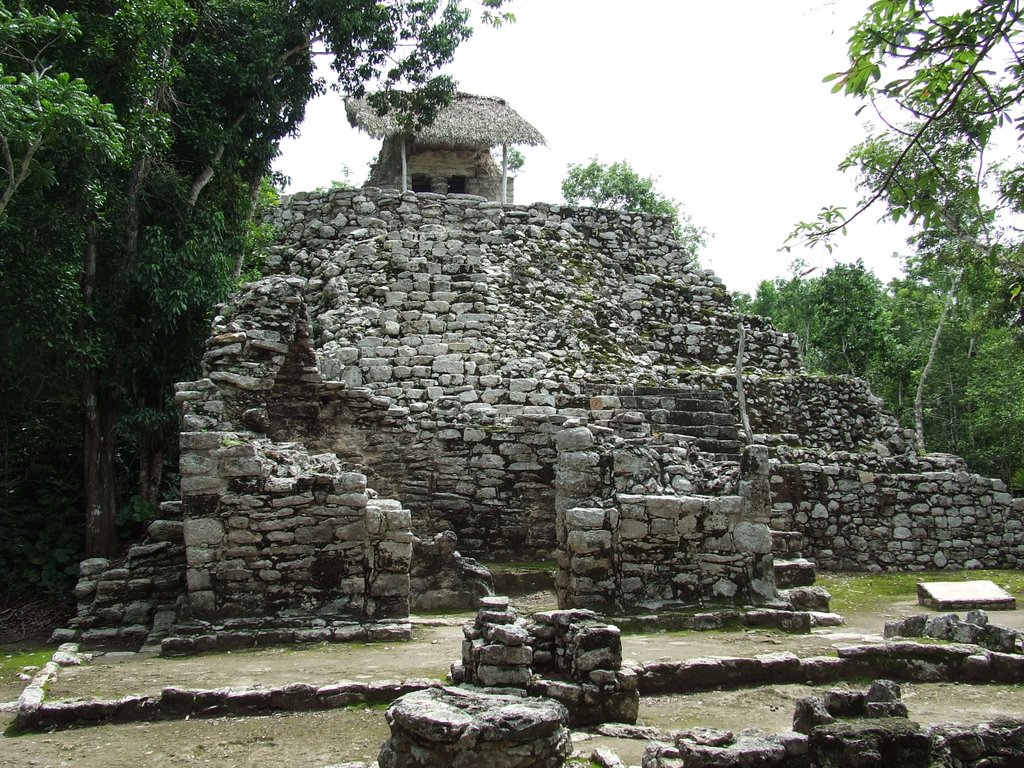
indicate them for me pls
(903, 661)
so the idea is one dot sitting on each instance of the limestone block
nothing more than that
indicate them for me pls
(585, 518)
(587, 542)
(488, 675)
(203, 531)
(497, 654)
(574, 439)
(752, 537)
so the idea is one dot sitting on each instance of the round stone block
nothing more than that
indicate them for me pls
(463, 729)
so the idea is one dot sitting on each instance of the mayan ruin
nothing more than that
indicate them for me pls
(323, 447)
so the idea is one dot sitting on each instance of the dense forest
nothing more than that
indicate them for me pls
(135, 139)
(135, 143)
(948, 359)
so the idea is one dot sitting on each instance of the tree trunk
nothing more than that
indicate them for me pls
(151, 470)
(919, 397)
(98, 488)
(740, 392)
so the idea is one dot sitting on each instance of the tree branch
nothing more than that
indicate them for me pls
(945, 106)
(206, 175)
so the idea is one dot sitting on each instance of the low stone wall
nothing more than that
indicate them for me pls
(974, 629)
(869, 512)
(902, 660)
(624, 550)
(189, 703)
(892, 741)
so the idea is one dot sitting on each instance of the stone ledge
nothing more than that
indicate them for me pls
(201, 637)
(903, 661)
(35, 714)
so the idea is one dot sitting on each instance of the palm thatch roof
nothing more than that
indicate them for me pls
(468, 121)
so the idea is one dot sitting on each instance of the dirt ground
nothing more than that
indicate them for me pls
(316, 740)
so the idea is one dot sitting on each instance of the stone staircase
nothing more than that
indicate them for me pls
(703, 415)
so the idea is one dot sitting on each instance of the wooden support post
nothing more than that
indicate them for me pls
(405, 169)
(504, 173)
(740, 393)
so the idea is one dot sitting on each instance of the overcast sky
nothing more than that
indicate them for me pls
(723, 102)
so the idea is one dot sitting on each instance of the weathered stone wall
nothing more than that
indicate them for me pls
(289, 533)
(483, 175)
(868, 511)
(632, 534)
(122, 602)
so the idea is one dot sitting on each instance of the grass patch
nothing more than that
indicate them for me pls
(876, 592)
(12, 662)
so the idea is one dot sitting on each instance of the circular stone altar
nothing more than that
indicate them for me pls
(462, 729)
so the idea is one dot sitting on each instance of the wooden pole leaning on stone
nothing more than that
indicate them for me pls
(504, 173)
(740, 394)
(405, 169)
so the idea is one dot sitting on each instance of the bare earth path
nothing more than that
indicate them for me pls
(321, 739)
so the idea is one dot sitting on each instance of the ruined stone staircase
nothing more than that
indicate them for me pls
(703, 415)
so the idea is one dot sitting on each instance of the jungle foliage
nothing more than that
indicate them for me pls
(849, 322)
(134, 140)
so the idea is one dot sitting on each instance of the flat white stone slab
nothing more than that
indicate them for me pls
(960, 595)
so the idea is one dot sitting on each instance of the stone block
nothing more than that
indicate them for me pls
(957, 595)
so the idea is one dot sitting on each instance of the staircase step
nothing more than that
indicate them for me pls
(693, 418)
(709, 445)
(710, 432)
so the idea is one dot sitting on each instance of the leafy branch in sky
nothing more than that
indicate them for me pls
(954, 79)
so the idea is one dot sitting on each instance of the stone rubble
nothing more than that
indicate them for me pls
(975, 629)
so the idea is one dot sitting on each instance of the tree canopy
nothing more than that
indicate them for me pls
(962, 388)
(942, 85)
(619, 187)
(134, 140)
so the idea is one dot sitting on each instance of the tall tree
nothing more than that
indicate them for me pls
(169, 113)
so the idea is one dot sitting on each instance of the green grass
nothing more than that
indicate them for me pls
(12, 662)
(860, 592)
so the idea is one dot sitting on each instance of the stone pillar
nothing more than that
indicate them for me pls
(577, 479)
(755, 484)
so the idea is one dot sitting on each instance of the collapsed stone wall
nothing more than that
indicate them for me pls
(633, 533)
(858, 511)
(121, 602)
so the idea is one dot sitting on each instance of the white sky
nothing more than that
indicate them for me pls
(722, 102)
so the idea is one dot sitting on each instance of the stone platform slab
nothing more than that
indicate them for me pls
(962, 595)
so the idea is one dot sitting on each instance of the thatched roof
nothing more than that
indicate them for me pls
(468, 121)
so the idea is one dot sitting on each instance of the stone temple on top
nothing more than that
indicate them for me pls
(453, 154)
